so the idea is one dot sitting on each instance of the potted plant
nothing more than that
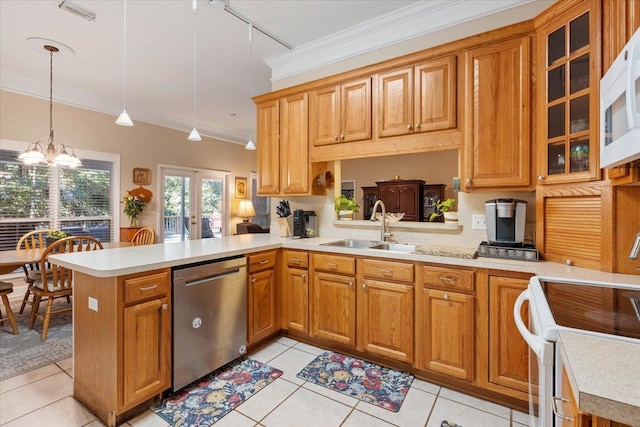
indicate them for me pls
(346, 207)
(55, 235)
(445, 208)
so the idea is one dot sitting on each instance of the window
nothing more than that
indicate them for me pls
(260, 204)
(82, 201)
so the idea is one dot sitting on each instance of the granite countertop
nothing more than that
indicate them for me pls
(604, 374)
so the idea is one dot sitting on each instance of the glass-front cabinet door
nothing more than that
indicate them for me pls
(568, 103)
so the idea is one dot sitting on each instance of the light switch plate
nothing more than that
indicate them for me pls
(479, 222)
(93, 304)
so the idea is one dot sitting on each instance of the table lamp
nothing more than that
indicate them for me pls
(245, 210)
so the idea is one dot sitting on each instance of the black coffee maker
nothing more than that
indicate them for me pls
(304, 224)
(506, 221)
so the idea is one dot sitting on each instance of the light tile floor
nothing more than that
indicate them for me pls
(44, 397)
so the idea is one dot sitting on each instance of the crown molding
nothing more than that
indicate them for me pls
(409, 22)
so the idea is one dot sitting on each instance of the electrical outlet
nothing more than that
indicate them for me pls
(93, 304)
(479, 222)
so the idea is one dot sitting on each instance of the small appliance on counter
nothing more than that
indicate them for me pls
(506, 221)
(304, 224)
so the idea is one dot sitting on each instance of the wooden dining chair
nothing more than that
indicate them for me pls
(31, 240)
(56, 281)
(5, 289)
(144, 236)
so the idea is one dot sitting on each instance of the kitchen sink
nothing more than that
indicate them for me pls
(349, 243)
(397, 247)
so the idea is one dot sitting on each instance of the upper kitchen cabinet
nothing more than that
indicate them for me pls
(283, 148)
(621, 18)
(341, 113)
(419, 98)
(497, 144)
(568, 80)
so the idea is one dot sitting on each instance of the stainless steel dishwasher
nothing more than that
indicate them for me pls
(209, 317)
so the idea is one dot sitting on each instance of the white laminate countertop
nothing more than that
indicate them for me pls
(604, 374)
(137, 259)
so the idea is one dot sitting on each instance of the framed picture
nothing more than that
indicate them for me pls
(241, 188)
(141, 176)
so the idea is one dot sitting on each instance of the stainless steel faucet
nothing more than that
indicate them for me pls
(384, 234)
(635, 248)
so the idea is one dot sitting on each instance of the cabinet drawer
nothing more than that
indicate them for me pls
(388, 270)
(261, 261)
(296, 259)
(334, 263)
(436, 277)
(145, 287)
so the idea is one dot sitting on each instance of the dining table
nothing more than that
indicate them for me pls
(13, 259)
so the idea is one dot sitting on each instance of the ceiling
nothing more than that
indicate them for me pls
(159, 52)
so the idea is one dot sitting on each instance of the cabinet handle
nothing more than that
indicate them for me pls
(264, 261)
(540, 178)
(295, 261)
(447, 279)
(148, 288)
(554, 405)
(332, 265)
(446, 297)
(253, 280)
(468, 180)
(386, 272)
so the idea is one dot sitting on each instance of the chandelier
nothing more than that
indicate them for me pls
(53, 155)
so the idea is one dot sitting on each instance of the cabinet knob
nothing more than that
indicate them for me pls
(418, 125)
(165, 306)
(364, 286)
(468, 180)
(253, 280)
(303, 276)
(568, 261)
(335, 137)
(540, 177)
(409, 127)
(350, 283)
(446, 297)
(342, 137)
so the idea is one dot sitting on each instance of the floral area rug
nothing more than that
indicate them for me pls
(366, 381)
(204, 402)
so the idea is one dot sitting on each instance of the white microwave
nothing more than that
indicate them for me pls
(620, 107)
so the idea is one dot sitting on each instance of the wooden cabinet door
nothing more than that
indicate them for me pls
(388, 193)
(146, 350)
(409, 197)
(294, 144)
(334, 308)
(324, 117)
(435, 95)
(355, 110)
(268, 148)
(497, 133)
(395, 102)
(508, 351)
(297, 295)
(262, 305)
(385, 318)
(446, 342)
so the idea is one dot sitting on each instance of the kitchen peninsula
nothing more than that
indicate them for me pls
(122, 312)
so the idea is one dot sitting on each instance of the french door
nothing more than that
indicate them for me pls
(194, 204)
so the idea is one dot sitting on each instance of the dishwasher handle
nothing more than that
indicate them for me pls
(211, 277)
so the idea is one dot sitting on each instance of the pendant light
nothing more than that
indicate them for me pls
(54, 155)
(194, 135)
(124, 119)
(250, 144)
